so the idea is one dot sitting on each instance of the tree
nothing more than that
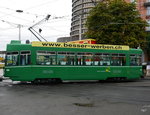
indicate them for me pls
(116, 22)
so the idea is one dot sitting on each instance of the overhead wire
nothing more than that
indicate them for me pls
(42, 4)
(53, 18)
(13, 24)
(53, 28)
(23, 12)
(27, 25)
(58, 35)
(32, 7)
(5, 29)
(13, 13)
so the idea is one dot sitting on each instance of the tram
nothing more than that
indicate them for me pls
(54, 62)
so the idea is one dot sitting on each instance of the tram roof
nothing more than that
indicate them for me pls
(58, 45)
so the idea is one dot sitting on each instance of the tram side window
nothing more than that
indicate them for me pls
(66, 58)
(135, 60)
(61, 58)
(88, 59)
(105, 59)
(25, 58)
(139, 60)
(98, 59)
(84, 59)
(12, 58)
(46, 58)
(102, 59)
(118, 60)
(80, 60)
(70, 58)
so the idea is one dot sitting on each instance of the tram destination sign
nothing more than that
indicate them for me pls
(83, 46)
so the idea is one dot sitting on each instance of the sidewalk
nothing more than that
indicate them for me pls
(146, 78)
(1, 74)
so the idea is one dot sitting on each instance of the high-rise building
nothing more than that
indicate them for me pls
(80, 11)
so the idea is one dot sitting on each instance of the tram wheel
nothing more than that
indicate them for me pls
(47, 81)
(55, 80)
(58, 80)
(36, 82)
(116, 79)
(1, 79)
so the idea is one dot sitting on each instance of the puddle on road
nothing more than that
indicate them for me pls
(84, 104)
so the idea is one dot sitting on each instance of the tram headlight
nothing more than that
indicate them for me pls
(7, 70)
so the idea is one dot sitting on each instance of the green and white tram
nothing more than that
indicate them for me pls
(50, 61)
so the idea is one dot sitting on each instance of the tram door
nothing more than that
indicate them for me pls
(25, 58)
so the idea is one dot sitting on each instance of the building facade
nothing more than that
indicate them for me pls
(144, 9)
(80, 11)
(64, 39)
(141, 7)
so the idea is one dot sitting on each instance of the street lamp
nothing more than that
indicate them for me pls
(19, 26)
(19, 11)
(80, 27)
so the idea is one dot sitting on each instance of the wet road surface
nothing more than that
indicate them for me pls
(75, 98)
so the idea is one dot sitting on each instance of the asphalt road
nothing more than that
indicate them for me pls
(75, 98)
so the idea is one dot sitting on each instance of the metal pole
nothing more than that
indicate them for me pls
(80, 27)
(19, 26)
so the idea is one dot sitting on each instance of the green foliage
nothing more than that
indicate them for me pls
(116, 22)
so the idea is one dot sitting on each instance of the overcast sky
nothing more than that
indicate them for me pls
(33, 11)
